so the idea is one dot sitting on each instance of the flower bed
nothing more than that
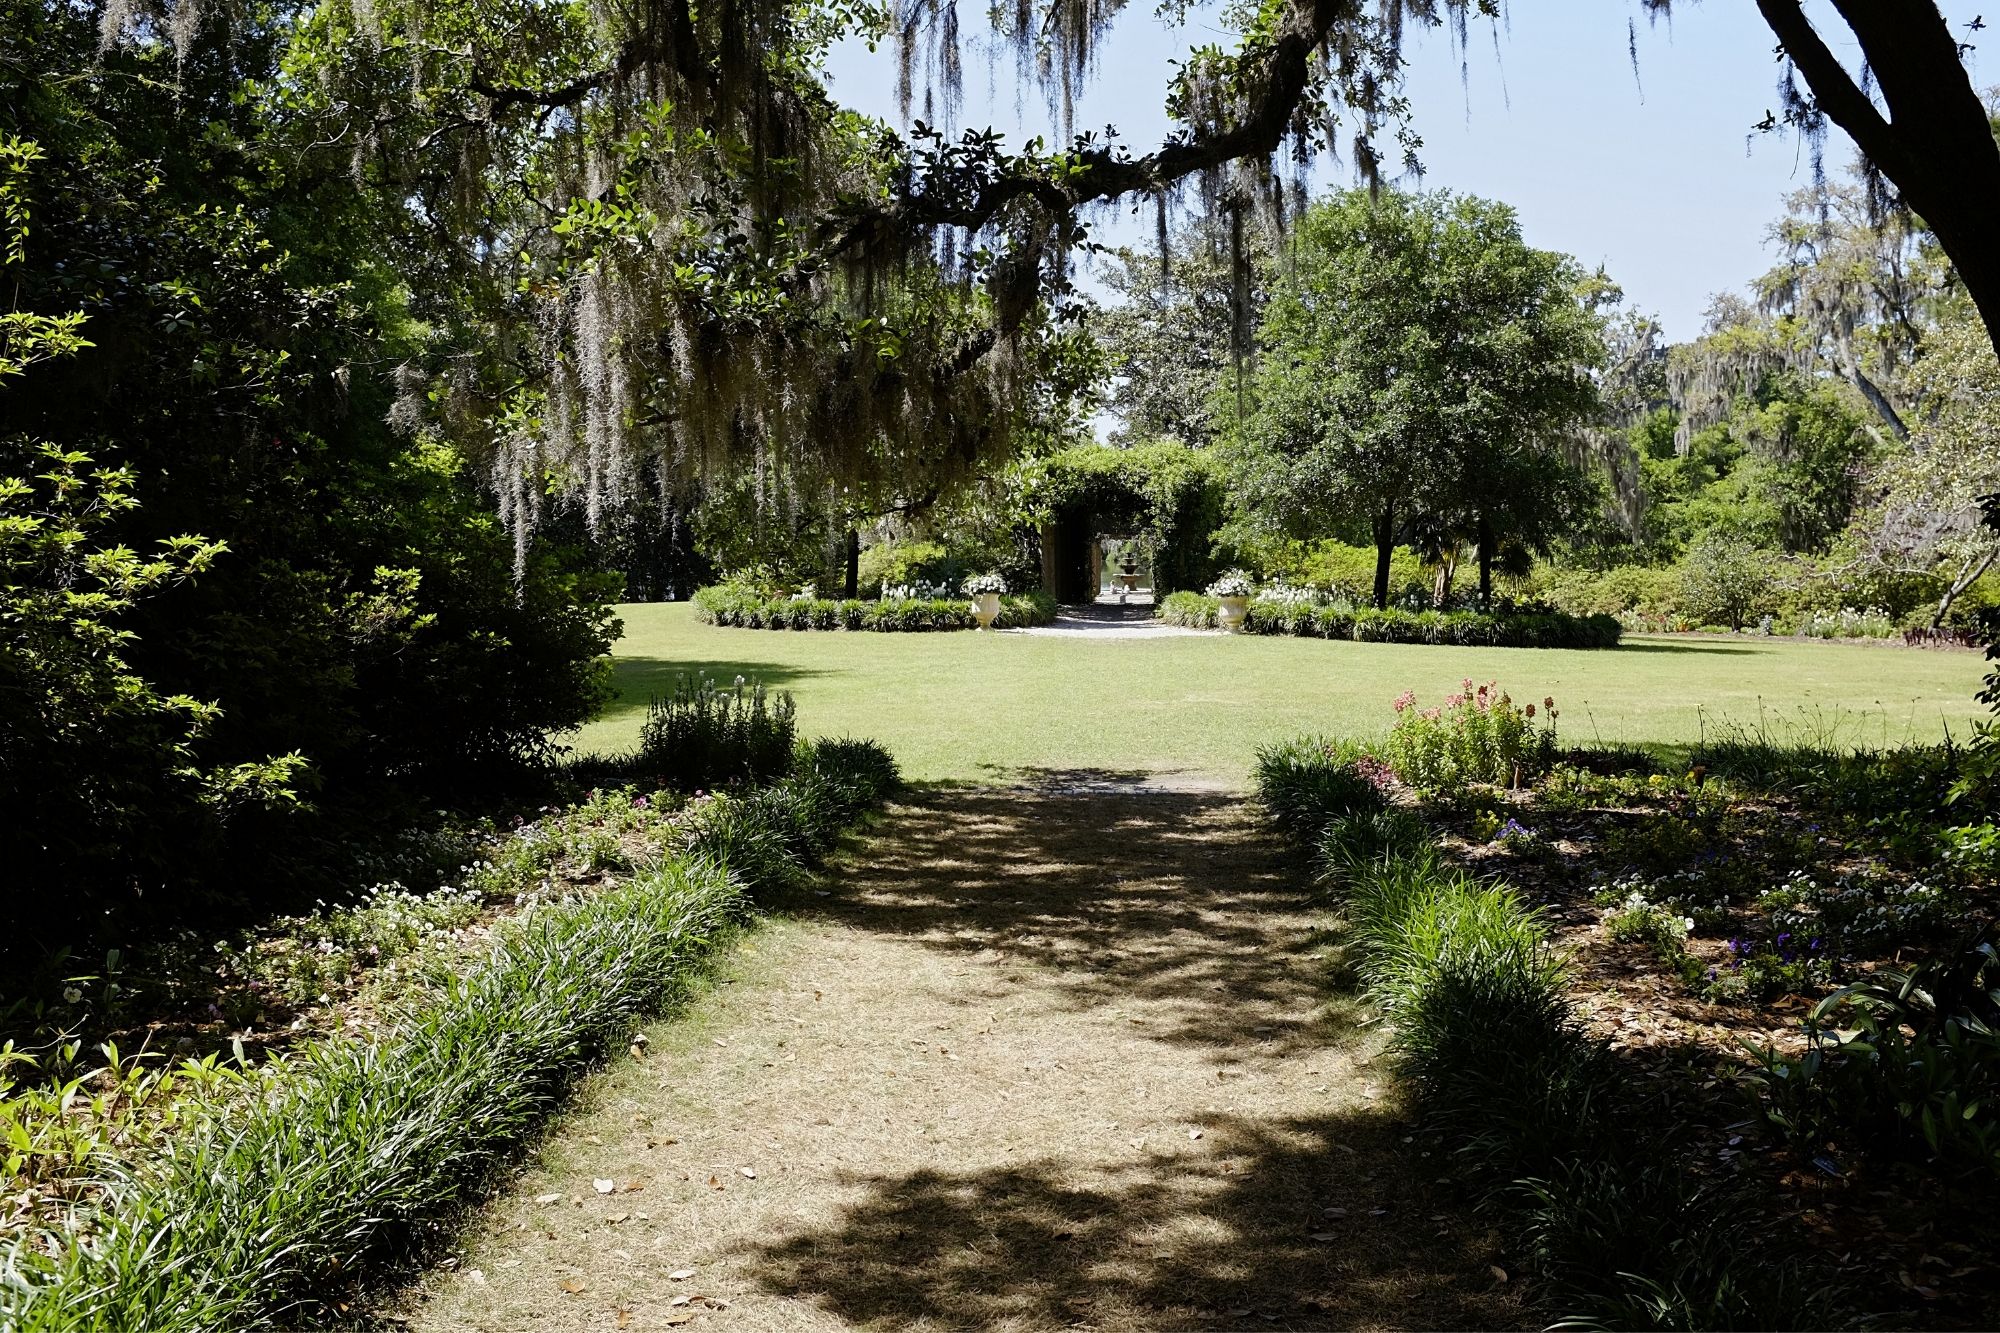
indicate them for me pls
(745, 608)
(1289, 614)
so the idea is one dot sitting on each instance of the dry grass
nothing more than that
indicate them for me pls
(1049, 1058)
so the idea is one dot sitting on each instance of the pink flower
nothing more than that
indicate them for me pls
(1467, 682)
(1429, 715)
(1454, 701)
(1549, 702)
(1530, 710)
(1405, 699)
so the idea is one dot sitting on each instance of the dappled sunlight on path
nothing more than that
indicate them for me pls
(1048, 1056)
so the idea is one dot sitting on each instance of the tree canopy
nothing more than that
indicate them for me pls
(1420, 369)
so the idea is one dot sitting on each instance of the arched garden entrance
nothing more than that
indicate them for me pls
(1140, 520)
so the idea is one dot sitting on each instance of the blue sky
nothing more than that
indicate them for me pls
(1650, 176)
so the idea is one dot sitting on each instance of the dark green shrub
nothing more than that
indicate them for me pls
(1535, 1113)
(1353, 841)
(1307, 783)
(1906, 1062)
(744, 607)
(703, 736)
(1517, 629)
(866, 770)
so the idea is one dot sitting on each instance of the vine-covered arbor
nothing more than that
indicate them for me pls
(1165, 498)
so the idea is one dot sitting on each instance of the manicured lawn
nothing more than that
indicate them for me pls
(983, 707)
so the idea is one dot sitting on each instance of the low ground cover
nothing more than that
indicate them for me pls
(1771, 964)
(430, 1035)
(976, 707)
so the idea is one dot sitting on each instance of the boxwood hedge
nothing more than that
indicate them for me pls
(1471, 629)
(745, 609)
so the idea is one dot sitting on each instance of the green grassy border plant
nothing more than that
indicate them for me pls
(274, 1205)
(1535, 1114)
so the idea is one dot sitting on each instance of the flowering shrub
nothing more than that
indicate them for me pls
(1290, 595)
(1638, 919)
(1848, 623)
(1479, 735)
(984, 583)
(919, 590)
(1234, 583)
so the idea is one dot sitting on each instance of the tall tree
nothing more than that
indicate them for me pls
(1420, 364)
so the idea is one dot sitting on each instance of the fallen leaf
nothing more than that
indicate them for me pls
(1324, 1236)
(573, 1287)
(715, 1183)
(1194, 1134)
(680, 1275)
(624, 1318)
(545, 1200)
(1499, 1273)
(477, 1277)
(748, 1174)
(631, 1186)
(678, 1300)
(616, 1218)
(604, 1186)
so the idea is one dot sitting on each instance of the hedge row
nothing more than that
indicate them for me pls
(269, 1213)
(1472, 629)
(1542, 1122)
(745, 609)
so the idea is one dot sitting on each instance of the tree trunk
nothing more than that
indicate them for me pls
(852, 587)
(1968, 574)
(1485, 563)
(1936, 143)
(1385, 547)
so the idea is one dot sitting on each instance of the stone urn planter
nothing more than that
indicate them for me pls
(986, 608)
(1231, 612)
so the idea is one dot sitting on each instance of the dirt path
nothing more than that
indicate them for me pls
(1041, 1059)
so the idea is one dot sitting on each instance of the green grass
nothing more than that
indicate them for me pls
(983, 707)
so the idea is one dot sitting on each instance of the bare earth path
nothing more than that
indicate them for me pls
(1049, 1058)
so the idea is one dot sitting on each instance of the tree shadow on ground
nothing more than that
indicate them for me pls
(1127, 893)
(1628, 646)
(1299, 1224)
(637, 681)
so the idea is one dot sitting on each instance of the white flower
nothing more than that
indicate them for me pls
(72, 995)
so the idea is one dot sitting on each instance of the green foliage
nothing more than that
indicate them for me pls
(1308, 783)
(1907, 1061)
(94, 752)
(1725, 580)
(264, 1206)
(1419, 364)
(1169, 496)
(705, 736)
(1512, 629)
(1536, 1117)
(740, 606)
(1352, 841)
(901, 563)
(364, 643)
(1478, 735)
